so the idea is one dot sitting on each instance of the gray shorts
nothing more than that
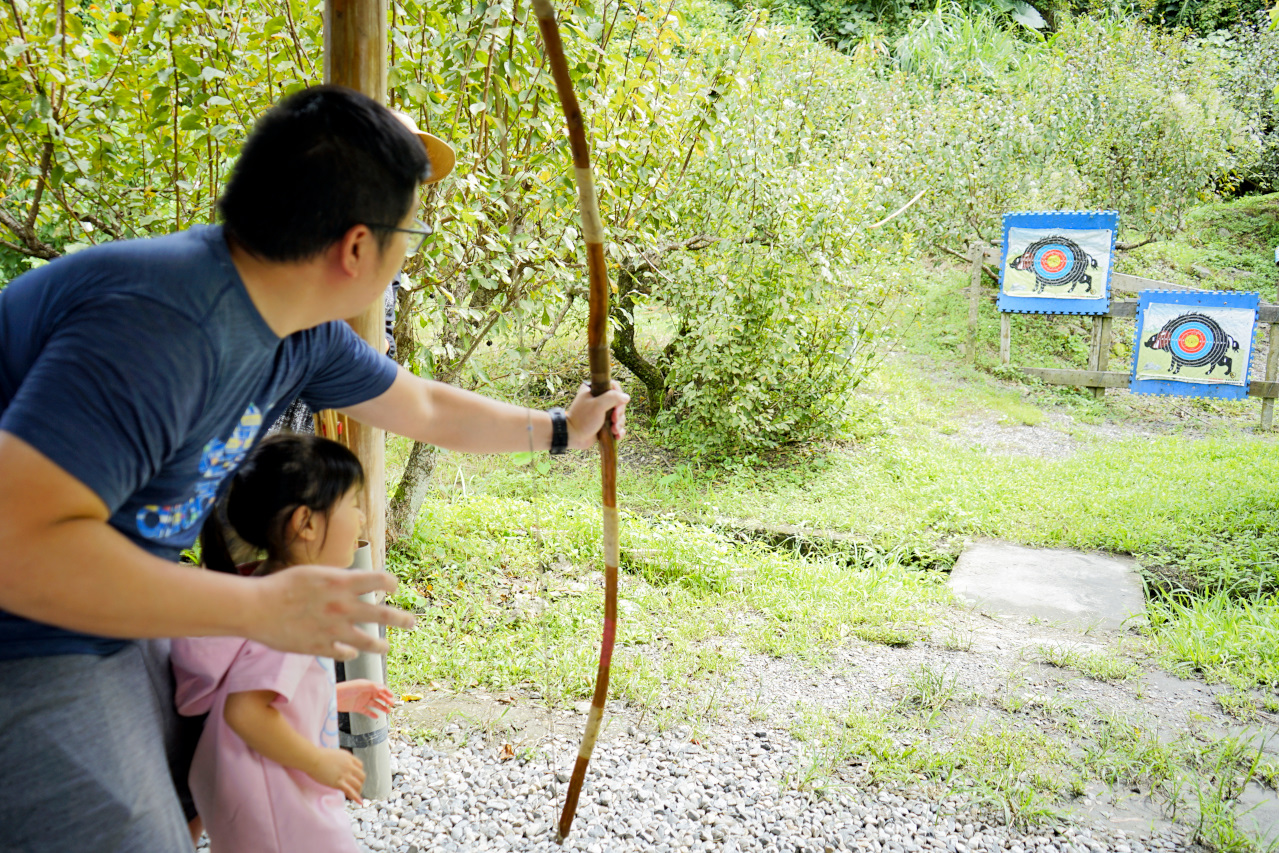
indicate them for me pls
(89, 749)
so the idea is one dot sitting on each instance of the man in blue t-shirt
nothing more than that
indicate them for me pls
(133, 379)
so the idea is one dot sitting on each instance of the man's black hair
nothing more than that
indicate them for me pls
(318, 163)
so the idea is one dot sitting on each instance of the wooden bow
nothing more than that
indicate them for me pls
(597, 349)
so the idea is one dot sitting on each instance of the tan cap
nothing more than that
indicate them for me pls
(439, 152)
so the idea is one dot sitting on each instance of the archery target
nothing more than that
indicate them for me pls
(1193, 343)
(1195, 339)
(1056, 258)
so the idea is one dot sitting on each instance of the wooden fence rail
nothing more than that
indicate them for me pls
(1097, 377)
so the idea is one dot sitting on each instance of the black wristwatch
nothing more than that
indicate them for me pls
(559, 430)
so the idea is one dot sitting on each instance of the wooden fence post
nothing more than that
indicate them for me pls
(355, 36)
(1099, 350)
(976, 255)
(1272, 373)
(1005, 338)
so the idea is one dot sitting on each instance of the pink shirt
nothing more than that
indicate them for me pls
(251, 804)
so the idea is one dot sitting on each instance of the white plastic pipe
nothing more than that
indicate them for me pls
(368, 737)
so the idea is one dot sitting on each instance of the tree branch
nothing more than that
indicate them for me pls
(1124, 247)
(31, 245)
(990, 272)
(559, 318)
(46, 160)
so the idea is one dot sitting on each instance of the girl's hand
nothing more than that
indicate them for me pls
(337, 768)
(364, 697)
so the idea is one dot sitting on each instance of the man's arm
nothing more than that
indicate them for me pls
(445, 416)
(64, 565)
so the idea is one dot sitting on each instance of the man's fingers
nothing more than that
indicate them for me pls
(382, 614)
(361, 582)
(343, 652)
(354, 638)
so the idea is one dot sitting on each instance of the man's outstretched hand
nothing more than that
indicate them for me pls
(314, 610)
(586, 415)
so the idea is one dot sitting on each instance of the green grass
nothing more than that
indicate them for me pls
(1219, 637)
(1099, 666)
(508, 594)
(1236, 235)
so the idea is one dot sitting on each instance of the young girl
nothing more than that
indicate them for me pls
(268, 774)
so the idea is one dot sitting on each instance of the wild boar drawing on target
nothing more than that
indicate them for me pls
(1057, 262)
(1194, 343)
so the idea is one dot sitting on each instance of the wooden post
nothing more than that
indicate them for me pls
(975, 254)
(1005, 338)
(1099, 350)
(1272, 373)
(355, 39)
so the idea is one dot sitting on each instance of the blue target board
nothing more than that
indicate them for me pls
(1057, 262)
(1194, 343)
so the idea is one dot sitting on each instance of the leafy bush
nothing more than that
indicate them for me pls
(1105, 114)
(1139, 118)
(772, 324)
(1205, 16)
(1251, 83)
(770, 361)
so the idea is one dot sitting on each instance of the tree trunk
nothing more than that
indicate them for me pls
(402, 512)
(411, 491)
(624, 349)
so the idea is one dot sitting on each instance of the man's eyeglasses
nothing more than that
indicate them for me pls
(420, 228)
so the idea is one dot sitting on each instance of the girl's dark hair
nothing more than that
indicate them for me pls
(282, 473)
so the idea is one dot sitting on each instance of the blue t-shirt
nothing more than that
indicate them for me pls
(143, 369)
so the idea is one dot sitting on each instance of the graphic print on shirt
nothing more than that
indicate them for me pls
(218, 460)
(329, 730)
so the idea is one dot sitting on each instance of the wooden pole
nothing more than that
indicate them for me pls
(1103, 351)
(1099, 350)
(355, 37)
(1272, 373)
(976, 255)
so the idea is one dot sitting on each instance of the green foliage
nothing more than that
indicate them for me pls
(740, 166)
(763, 227)
(953, 46)
(1104, 114)
(121, 122)
(1205, 17)
(1251, 83)
(1158, 133)
(768, 361)
(1226, 246)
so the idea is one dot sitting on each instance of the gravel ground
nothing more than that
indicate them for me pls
(729, 785)
(667, 794)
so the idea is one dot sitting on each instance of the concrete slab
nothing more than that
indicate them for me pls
(1061, 585)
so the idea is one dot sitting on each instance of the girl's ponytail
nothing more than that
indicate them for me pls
(214, 553)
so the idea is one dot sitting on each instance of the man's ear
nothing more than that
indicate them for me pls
(357, 247)
(304, 525)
